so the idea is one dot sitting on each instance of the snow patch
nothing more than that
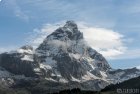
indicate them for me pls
(74, 79)
(25, 51)
(45, 66)
(27, 58)
(37, 69)
(76, 56)
(89, 76)
(50, 79)
(62, 80)
(104, 75)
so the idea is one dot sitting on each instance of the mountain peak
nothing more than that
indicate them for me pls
(65, 52)
(71, 25)
(68, 32)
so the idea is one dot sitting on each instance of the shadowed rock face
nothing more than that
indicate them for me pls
(68, 67)
(13, 62)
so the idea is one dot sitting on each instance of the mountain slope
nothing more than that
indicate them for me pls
(19, 62)
(131, 86)
(65, 52)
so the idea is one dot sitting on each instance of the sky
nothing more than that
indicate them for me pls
(109, 26)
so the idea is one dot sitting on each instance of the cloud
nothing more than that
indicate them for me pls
(7, 49)
(39, 35)
(106, 41)
(138, 67)
(59, 43)
(48, 9)
(2, 50)
(13, 6)
(129, 54)
(56, 10)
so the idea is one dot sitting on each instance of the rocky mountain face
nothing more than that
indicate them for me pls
(65, 54)
(65, 61)
(120, 75)
(19, 62)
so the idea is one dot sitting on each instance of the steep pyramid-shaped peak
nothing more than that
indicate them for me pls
(68, 32)
(71, 25)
